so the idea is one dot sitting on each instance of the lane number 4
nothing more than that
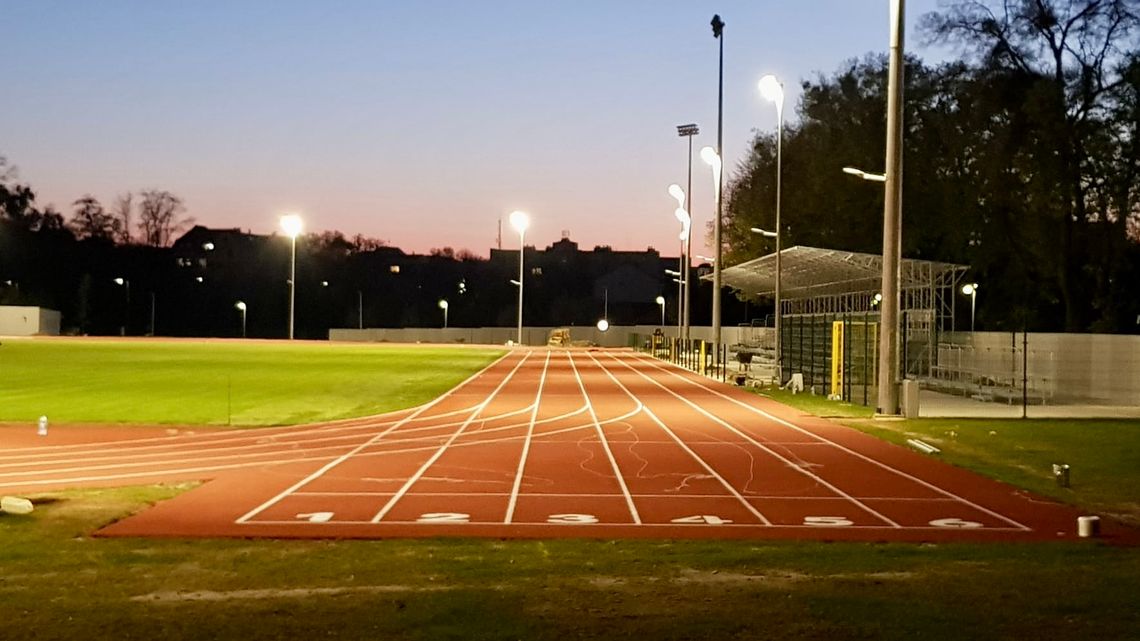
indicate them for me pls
(702, 519)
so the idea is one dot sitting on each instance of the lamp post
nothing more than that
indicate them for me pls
(888, 400)
(688, 131)
(712, 159)
(127, 308)
(685, 219)
(680, 300)
(241, 307)
(359, 309)
(773, 90)
(443, 305)
(718, 33)
(291, 225)
(971, 290)
(520, 221)
(661, 302)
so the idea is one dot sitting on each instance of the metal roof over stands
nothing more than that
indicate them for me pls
(816, 280)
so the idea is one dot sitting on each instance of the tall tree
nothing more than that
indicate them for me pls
(1053, 73)
(90, 220)
(123, 211)
(160, 217)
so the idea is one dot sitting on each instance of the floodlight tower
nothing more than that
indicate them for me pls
(688, 131)
(291, 225)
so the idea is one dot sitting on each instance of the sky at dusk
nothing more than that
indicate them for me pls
(420, 123)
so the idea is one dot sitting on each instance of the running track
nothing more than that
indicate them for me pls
(597, 443)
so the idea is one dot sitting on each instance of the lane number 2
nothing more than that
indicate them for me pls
(444, 517)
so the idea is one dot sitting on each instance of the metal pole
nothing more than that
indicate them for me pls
(522, 245)
(243, 323)
(360, 309)
(689, 242)
(152, 313)
(779, 233)
(681, 293)
(292, 283)
(973, 297)
(888, 402)
(718, 33)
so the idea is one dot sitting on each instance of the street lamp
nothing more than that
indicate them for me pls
(127, 309)
(712, 159)
(688, 131)
(888, 401)
(773, 91)
(443, 305)
(971, 290)
(520, 221)
(661, 302)
(718, 33)
(865, 175)
(685, 219)
(291, 225)
(241, 307)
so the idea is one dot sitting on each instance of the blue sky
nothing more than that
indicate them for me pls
(420, 123)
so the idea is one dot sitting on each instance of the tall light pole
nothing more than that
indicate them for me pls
(971, 290)
(443, 305)
(661, 302)
(241, 307)
(685, 219)
(127, 308)
(718, 33)
(291, 225)
(712, 159)
(359, 309)
(680, 300)
(888, 401)
(520, 221)
(688, 131)
(773, 90)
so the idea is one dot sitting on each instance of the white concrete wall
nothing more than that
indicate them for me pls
(1093, 367)
(28, 321)
(614, 337)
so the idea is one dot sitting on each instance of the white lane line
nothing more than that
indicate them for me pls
(788, 462)
(344, 457)
(443, 448)
(35, 479)
(850, 451)
(526, 444)
(606, 445)
(724, 482)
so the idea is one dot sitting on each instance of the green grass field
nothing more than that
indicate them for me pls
(222, 383)
(56, 582)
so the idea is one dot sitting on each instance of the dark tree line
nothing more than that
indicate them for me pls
(1022, 160)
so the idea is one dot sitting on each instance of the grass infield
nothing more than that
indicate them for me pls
(222, 382)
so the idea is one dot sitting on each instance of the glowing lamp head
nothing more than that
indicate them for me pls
(711, 158)
(771, 89)
(443, 304)
(603, 325)
(678, 194)
(970, 289)
(519, 221)
(660, 300)
(291, 225)
(119, 281)
(240, 305)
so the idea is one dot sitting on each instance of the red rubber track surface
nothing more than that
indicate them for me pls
(590, 443)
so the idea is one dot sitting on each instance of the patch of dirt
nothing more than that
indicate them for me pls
(691, 576)
(290, 593)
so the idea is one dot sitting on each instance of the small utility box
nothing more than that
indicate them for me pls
(909, 398)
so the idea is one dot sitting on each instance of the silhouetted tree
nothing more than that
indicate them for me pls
(160, 217)
(90, 220)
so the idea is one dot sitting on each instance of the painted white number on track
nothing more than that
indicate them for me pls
(955, 523)
(316, 517)
(444, 517)
(827, 521)
(572, 518)
(702, 519)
